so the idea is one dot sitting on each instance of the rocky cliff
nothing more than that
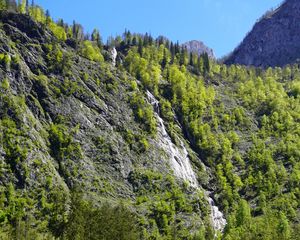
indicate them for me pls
(274, 39)
(199, 48)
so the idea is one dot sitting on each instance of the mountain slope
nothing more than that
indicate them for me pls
(69, 122)
(93, 135)
(274, 39)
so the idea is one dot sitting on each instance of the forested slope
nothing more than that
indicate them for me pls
(139, 145)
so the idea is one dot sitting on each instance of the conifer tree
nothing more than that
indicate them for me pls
(183, 56)
(48, 18)
(177, 48)
(134, 41)
(97, 38)
(140, 47)
(146, 40)
(206, 63)
(128, 37)
(164, 60)
(77, 30)
(191, 59)
(172, 49)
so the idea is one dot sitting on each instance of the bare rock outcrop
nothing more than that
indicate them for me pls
(199, 48)
(274, 39)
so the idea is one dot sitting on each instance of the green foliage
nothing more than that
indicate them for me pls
(58, 61)
(5, 59)
(143, 112)
(58, 31)
(37, 13)
(295, 89)
(143, 68)
(165, 201)
(3, 4)
(69, 87)
(106, 222)
(91, 52)
(97, 38)
(243, 122)
(220, 132)
(5, 84)
(15, 149)
(22, 6)
(63, 148)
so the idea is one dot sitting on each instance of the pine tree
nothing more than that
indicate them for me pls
(172, 49)
(134, 41)
(140, 47)
(206, 63)
(127, 37)
(48, 18)
(146, 40)
(150, 40)
(177, 48)
(191, 59)
(60, 22)
(77, 31)
(164, 60)
(97, 38)
(183, 60)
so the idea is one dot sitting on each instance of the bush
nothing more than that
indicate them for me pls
(5, 59)
(90, 51)
(58, 31)
(5, 84)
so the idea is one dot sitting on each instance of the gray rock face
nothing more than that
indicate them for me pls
(199, 48)
(100, 109)
(274, 39)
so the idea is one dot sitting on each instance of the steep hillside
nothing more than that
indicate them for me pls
(137, 139)
(274, 39)
(70, 121)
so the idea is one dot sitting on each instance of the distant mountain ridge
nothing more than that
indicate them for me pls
(199, 48)
(274, 39)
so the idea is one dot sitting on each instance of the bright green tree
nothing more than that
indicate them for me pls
(22, 6)
(2, 5)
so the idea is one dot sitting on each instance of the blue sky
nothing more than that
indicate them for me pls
(220, 24)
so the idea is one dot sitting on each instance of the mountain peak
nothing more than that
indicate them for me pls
(274, 39)
(199, 48)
